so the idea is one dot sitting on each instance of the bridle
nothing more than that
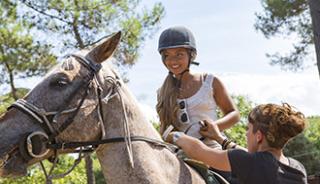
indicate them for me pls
(49, 136)
(43, 117)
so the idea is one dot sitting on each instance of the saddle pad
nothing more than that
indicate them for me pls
(208, 175)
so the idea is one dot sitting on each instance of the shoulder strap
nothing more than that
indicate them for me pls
(208, 80)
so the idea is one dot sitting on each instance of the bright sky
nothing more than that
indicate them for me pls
(230, 48)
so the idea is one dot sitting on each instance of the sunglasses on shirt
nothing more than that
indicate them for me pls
(184, 116)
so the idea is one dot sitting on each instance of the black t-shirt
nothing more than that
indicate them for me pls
(264, 168)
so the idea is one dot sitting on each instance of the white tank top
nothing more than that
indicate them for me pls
(198, 107)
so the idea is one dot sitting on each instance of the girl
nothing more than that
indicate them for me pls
(185, 98)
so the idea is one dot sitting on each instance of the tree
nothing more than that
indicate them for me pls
(20, 55)
(79, 23)
(287, 18)
(315, 14)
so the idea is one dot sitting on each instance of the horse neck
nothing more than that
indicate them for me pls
(147, 158)
(124, 109)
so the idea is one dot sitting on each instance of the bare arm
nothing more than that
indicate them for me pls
(195, 149)
(211, 130)
(224, 102)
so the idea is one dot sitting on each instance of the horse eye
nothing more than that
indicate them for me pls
(62, 82)
(59, 82)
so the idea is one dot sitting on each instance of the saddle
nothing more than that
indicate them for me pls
(208, 175)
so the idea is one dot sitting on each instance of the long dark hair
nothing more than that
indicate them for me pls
(167, 106)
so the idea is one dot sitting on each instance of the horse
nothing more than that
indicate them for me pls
(81, 105)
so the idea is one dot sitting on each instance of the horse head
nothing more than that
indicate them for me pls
(63, 107)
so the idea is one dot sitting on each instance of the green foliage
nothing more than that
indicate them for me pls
(35, 174)
(306, 147)
(156, 125)
(7, 99)
(238, 132)
(244, 105)
(20, 55)
(97, 170)
(313, 131)
(281, 17)
(79, 23)
(77, 176)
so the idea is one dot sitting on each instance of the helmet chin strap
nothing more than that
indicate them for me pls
(195, 63)
(178, 80)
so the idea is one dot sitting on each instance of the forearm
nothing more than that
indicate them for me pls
(232, 145)
(195, 149)
(228, 120)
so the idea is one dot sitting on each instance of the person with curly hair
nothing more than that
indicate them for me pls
(270, 127)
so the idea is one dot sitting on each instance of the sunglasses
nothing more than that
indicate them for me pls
(184, 115)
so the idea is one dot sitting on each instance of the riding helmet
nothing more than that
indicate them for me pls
(177, 37)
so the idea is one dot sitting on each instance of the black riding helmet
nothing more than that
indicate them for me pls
(178, 37)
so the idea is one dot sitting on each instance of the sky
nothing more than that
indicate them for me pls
(230, 48)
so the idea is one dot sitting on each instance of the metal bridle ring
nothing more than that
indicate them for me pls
(29, 144)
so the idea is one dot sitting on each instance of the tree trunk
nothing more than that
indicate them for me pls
(11, 81)
(315, 15)
(89, 170)
(13, 88)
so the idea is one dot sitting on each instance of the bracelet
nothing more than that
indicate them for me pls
(225, 145)
(224, 142)
(231, 145)
(228, 144)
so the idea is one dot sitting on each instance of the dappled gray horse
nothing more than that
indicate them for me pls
(83, 102)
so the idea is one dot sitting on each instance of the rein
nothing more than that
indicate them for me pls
(41, 117)
(72, 145)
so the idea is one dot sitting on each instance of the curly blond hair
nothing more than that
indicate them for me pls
(279, 123)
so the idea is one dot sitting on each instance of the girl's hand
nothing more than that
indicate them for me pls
(173, 137)
(210, 130)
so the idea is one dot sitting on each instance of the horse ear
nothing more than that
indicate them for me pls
(105, 48)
